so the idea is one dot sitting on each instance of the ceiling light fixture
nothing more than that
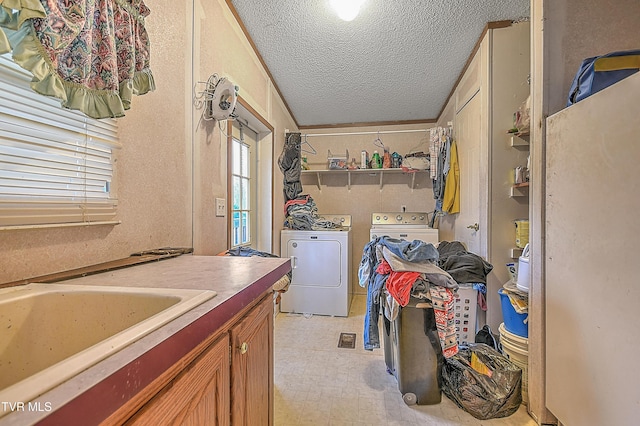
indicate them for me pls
(347, 9)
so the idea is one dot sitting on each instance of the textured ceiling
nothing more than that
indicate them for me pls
(398, 60)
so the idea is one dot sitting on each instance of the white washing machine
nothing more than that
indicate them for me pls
(406, 226)
(321, 279)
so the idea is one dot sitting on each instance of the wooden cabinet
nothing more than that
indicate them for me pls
(252, 367)
(199, 395)
(229, 382)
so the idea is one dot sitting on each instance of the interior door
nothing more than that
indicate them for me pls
(467, 135)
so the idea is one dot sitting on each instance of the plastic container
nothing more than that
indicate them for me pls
(522, 233)
(376, 161)
(337, 162)
(513, 321)
(413, 354)
(364, 160)
(523, 271)
(516, 348)
(465, 308)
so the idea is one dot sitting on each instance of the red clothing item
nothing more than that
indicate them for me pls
(383, 268)
(399, 285)
(299, 200)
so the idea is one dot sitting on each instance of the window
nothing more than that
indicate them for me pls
(55, 164)
(243, 184)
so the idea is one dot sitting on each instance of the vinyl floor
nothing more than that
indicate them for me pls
(317, 383)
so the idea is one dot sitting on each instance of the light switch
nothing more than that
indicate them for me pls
(221, 207)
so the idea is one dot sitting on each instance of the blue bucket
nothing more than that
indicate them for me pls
(513, 321)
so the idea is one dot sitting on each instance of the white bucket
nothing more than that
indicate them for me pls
(523, 270)
(516, 348)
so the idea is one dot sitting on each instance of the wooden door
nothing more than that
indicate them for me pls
(468, 128)
(252, 367)
(198, 396)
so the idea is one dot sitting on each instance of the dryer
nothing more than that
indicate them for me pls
(321, 279)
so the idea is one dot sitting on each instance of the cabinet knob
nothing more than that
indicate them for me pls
(244, 347)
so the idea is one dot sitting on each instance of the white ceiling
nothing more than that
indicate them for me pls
(397, 61)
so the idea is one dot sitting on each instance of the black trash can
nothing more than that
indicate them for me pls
(413, 354)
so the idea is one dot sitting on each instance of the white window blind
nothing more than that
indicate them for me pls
(55, 164)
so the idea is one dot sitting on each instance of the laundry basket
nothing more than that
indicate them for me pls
(516, 348)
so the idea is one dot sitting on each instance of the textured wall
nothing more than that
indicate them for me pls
(581, 29)
(158, 204)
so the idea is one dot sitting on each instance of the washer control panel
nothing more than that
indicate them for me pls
(405, 218)
(342, 220)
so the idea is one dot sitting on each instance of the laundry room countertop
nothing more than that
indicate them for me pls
(102, 388)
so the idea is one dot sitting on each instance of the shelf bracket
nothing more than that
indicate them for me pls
(381, 174)
(319, 182)
(348, 180)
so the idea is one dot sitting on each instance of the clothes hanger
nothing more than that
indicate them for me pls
(311, 149)
(378, 142)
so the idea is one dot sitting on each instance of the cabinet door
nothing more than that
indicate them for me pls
(198, 396)
(252, 367)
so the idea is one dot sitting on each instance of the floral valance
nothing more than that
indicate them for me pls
(93, 55)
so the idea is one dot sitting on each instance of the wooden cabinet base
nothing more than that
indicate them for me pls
(198, 396)
(229, 381)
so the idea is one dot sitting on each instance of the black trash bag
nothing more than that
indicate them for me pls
(485, 335)
(495, 393)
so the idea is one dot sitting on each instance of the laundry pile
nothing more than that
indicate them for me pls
(465, 267)
(301, 213)
(282, 285)
(395, 270)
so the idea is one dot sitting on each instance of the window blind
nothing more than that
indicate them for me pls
(55, 164)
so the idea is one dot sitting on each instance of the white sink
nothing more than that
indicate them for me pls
(51, 332)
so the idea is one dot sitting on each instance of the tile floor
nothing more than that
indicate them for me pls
(317, 383)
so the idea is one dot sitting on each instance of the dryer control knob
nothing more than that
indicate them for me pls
(413, 217)
(421, 218)
(385, 217)
(377, 217)
(399, 218)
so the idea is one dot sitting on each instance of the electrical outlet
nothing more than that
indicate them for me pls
(221, 207)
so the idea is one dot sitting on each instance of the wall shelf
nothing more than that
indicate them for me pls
(519, 140)
(515, 252)
(380, 173)
(519, 190)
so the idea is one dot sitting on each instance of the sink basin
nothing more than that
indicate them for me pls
(51, 332)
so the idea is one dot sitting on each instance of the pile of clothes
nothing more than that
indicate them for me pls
(280, 286)
(301, 213)
(394, 270)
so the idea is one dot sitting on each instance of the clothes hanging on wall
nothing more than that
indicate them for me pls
(438, 151)
(451, 196)
(445, 170)
(289, 162)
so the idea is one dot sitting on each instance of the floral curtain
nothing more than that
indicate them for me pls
(93, 55)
